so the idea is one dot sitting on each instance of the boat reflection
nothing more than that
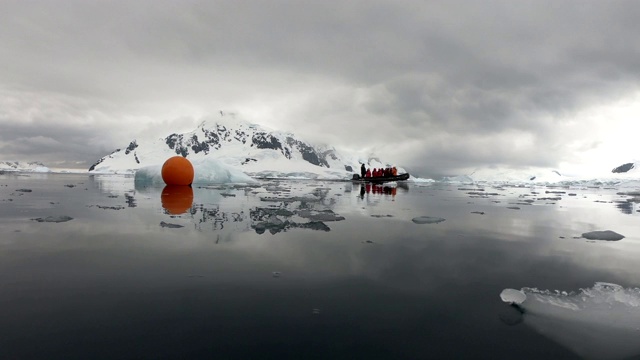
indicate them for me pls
(383, 189)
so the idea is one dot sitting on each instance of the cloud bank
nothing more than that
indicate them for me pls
(439, 87)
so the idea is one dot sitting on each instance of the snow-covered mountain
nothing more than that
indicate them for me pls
(23, 166)
(250, 148)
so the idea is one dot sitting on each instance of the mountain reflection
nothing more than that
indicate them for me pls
(273, 208)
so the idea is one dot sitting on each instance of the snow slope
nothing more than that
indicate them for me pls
(626, 173)
(23, 166)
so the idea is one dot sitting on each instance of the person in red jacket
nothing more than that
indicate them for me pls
(368, 173)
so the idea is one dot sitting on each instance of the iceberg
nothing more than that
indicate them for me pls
(206, 171)
(602, 322)
(19, 166)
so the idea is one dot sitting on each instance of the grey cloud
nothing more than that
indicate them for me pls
(407, 72)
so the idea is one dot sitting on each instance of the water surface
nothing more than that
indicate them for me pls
(295, 269)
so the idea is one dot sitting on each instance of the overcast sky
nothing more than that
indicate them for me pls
(440, 87)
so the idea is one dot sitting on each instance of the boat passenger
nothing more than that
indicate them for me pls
(368, 173)
(363, 170)
(394, 171)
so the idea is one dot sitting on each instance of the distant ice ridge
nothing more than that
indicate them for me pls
(206, 171)
(23, 166)
(418, 180)
(507, 175)
(602, 322)
(627, 175)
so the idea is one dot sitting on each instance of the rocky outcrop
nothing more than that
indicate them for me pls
(623, 168)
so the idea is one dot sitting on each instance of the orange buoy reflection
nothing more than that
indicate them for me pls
(177, 199)
(177, 171)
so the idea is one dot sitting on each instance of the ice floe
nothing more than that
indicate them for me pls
(427, 220)
(54, 219)
(170, 225)
(607, 235)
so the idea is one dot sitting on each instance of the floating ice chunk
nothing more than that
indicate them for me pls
(607, 235)
(169, 225)
(307, 198)
(274, 220)
(313, 225)
(629, 193)
(106, 207)
(326, 215)
(513, 296)
(427, 220)
(54, 219)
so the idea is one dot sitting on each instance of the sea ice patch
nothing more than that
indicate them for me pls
(427, 220)
(325, 215)
(54, 219)
(606, 235)
(170, 225)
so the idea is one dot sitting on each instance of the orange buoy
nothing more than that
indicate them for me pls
(177, 171)
(176, 199)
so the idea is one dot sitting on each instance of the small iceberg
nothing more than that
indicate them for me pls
(606, 235)
(514, 297)
(54, 219)
(206, 171)
(427, 220)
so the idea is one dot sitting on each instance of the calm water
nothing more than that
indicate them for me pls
(294, 269)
